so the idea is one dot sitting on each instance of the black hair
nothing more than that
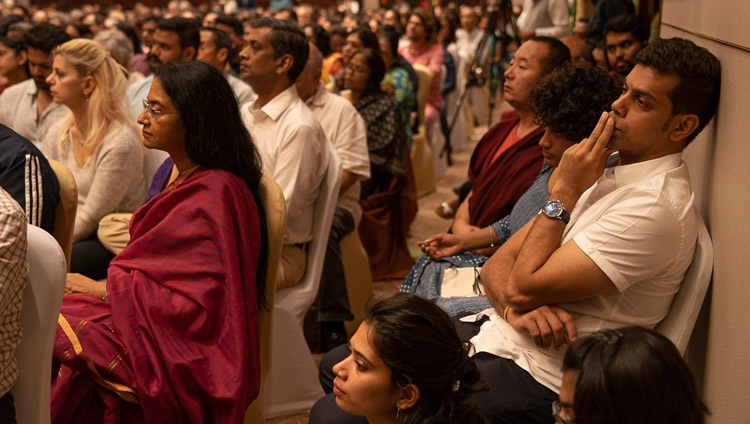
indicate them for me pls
(221, 39)
(453, 24)
(129, 32)
(215, 135)
(377, 68)
(632, 375)
(186, 29)
(557, 55)
(418, 342)
(698, 72)
(83, 31)
(287, 39)
(338, 30)
(629, 24)
(391, 35)
(292, 13)
(7, 21)
(45, 37)
(230, 21)
(322, 42)
(570, 101)
(14, 43)
(151, 18)
(368, 39)
(98, 17)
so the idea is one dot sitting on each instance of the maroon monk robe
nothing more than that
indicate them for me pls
(497, 185)
(177, 340)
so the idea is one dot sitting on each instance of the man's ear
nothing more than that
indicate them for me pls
(223, 55)
(22, 57)
(408, 396)
(188, 53)
(683, 126)
(284, 63)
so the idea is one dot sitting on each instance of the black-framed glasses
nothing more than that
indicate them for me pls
(556, 408)
(478, 285)
(153, 112)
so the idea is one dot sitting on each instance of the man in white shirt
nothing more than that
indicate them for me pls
(294, 148)
(610, 248)
(467, 41)
(214, 49)
(27, 107)
(346, 130)
(175, 39)
(549, 18)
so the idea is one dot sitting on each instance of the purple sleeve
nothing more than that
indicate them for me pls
(160, 177)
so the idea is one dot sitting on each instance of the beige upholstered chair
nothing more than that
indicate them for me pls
(42, 298)
(421, 152)
(358, 277)
(678, 325)
(65, 214)
(292, 385)
(274, 206)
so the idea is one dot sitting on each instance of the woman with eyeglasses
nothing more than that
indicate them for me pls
(97, 142)
(172, 336)
(388, 198)
(628, 376)
(405, 364)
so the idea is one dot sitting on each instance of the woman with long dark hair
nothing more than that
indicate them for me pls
(388, 198)
(173, 333)
(406, 364)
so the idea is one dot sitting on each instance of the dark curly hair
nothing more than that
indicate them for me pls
(418, 342)
(570, 100)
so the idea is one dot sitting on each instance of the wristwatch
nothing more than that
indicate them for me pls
(555, 210)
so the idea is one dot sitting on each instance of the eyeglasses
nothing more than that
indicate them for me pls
(154, 113)
(356, 69)
(478, 285)
(556, 408)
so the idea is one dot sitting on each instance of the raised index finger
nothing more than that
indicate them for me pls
(591, 141)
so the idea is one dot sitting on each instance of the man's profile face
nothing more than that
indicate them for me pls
(526, 69)
(207, 52)
(40, 67)
(468, 18)
(165, 49)
(257, 62)
(622, 47)
(643, 116)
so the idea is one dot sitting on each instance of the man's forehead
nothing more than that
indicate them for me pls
(619, 37)
(262, 34)
(646, 80)
(166, 36)
(38, 56)
(532, 51)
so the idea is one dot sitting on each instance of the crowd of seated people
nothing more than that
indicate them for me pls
(168, 265)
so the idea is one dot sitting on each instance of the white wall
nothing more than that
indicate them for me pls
(719, 163)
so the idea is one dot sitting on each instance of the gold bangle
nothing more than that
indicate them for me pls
(492, 239)
(505, 313)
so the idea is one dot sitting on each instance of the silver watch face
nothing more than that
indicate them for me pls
(553, 209)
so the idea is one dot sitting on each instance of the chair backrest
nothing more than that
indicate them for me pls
(42, 298)
(65, 214)
(272, 199)
(299, 297)
(425, 78)
(680, 320)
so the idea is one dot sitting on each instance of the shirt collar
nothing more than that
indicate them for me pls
(628, 174)
(278, 104)
(319, 98)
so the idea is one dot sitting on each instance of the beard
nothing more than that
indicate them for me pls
(41, 84)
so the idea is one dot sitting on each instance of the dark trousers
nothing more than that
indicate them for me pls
(90, 258)
(514, 395)
(333, 300)
(7, 409)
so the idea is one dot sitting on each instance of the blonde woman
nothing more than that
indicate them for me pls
(97, 142)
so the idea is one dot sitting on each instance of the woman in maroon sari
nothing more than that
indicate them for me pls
(173, 334)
